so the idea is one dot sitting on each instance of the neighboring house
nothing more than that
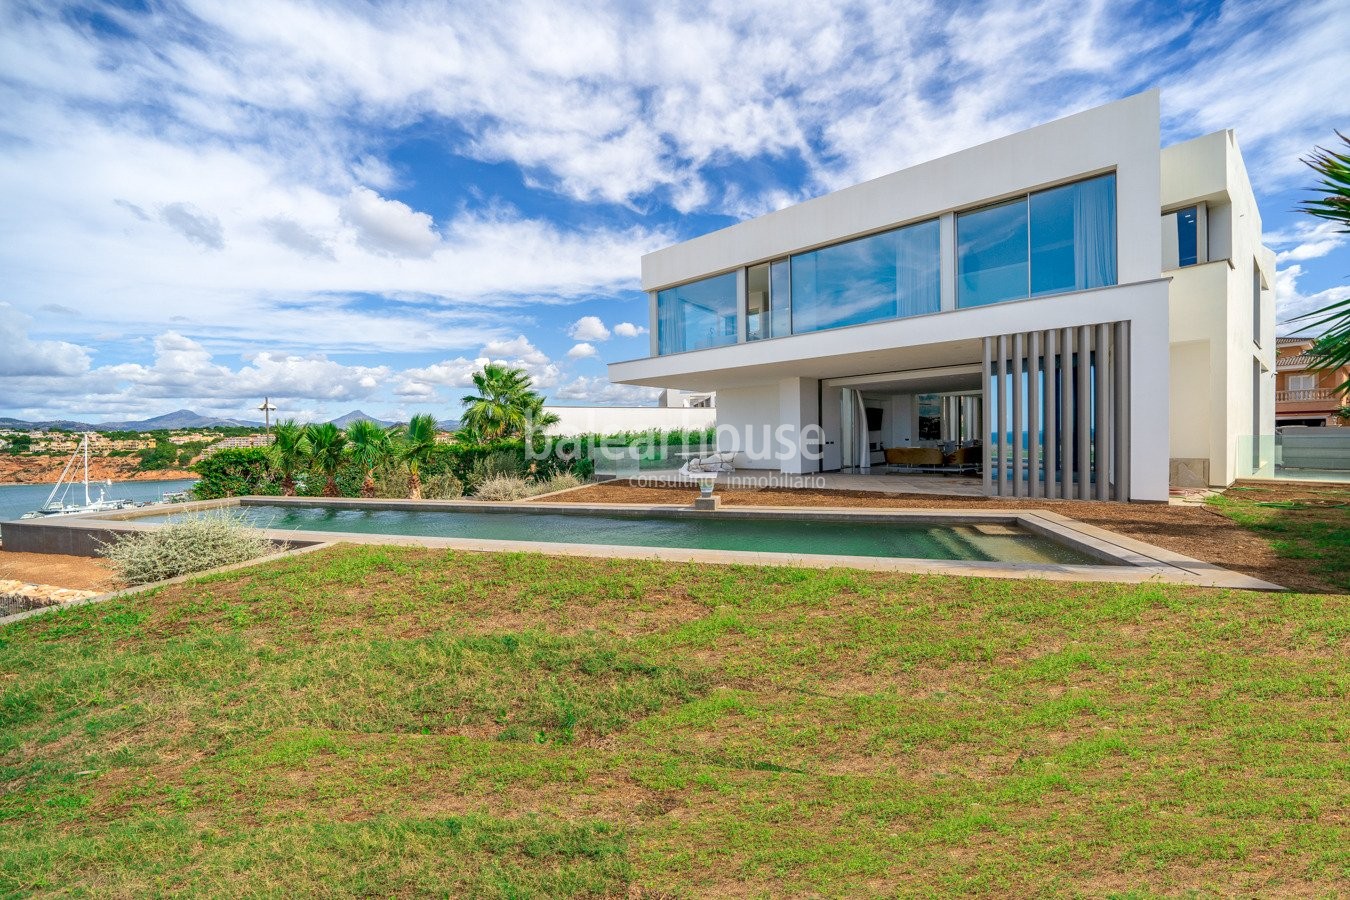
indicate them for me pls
(240, 443)
(1304, 396)
(1070, 311)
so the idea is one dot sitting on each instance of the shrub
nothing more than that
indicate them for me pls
(235, 473)
(181, 548)
(560, 482)
(494, 465)
(512, 487)
(504, 487)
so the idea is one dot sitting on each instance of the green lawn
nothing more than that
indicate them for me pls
(402, 721)
(1309, 524)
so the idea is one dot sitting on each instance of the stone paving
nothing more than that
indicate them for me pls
(19, 596)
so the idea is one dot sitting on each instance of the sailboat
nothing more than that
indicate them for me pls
(59, 507)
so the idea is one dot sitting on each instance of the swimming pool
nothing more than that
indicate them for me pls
(654, 528)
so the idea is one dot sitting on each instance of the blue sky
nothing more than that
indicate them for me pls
(355, 205)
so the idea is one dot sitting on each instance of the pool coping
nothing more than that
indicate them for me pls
(1126, 560)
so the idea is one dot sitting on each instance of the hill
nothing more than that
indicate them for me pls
(180, 418)
(357, 415)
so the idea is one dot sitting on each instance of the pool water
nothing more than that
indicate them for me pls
(948, 542)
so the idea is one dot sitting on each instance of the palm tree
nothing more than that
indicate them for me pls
(418, 439)
(504, 405)
(289, 452)
(1332, 349)
(370, 445)
(535, 416)
(326, 444)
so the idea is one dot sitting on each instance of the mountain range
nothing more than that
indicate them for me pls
(181, 418)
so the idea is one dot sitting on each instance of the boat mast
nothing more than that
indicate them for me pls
(86, 468)
(61, 480)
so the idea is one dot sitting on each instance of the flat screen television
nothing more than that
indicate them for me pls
(873, 419)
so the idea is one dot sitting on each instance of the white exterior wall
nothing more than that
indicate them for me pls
(578, 420)
(746, 416)
(1211, 313)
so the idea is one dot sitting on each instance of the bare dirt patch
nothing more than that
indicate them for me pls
(77, 572)
(1196, 531)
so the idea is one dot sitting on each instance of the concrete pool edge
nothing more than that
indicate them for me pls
(1125, 559)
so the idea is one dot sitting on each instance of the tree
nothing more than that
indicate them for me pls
(417, 440)
(370, 445)
(290, 450)
(504, 405)
(326, 444)
(1332, 349)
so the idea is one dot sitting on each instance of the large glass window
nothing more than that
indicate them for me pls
(697, 315)
(1073, 236)
(991, 254)
(896, 273)
(1061, 239)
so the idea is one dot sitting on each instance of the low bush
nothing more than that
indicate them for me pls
(513, 487)
(504, 487)
(493, 466)
(181, 548)
(560, 482)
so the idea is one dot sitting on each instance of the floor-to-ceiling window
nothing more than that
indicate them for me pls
(1051, 241)
(697, 315)
(883, 276)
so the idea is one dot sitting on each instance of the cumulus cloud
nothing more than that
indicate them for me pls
(57, 377)
(628, 330)
(601, 391)
(518, 348)
(1306, 240)
(199, 227)
(390, 226)
(1291, 302)
(185, 368)
(516, 353)
(23, 356)
(588, 328)
(582, 351)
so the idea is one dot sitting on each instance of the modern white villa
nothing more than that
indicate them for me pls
(1067, 312)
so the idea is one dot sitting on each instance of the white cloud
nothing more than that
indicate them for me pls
(390, 226)
(602, 392)
(1291, 303)
(588, 328)
(516, 353)
(629, 330)
(1306, 240)
(184, 368)
(582, 351)
(23, 356)
(518, 348)
(57, 378)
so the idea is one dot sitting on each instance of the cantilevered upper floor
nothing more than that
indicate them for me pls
(1062, 208)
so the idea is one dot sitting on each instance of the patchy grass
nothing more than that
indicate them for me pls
(1311, 524)
(385, 720)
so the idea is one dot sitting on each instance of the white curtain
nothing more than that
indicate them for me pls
(1094, 238)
